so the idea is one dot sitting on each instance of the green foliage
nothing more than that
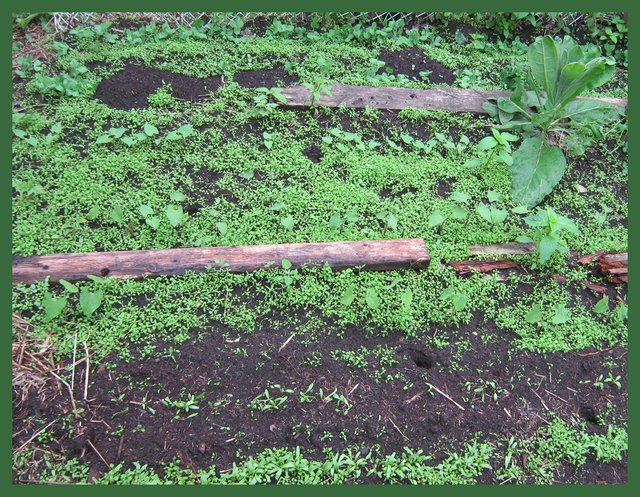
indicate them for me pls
(271, 399)
(548, 228)
(559, 70)
(74, 83)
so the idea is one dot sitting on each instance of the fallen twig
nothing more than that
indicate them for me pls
(286, 342)
(33, 436)
(86, 373)
(99, 455)
(445, 395)
(399, 431)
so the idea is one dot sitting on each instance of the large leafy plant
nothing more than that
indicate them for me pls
(548, 114)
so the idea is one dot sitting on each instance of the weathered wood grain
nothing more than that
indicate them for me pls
(511, 248)
(615, 266)
(377, 255)
(464, 268)
(389, 97)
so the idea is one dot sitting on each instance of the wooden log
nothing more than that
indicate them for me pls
(377, 255)
(464, 268)
(511, 248)
(389, 97)
(612, 265)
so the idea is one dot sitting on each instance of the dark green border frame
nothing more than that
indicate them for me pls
(308, 6)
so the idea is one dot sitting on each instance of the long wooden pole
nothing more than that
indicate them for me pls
(389, 97)
(377, 255)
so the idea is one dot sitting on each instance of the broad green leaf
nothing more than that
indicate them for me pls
(459, 196)
(488, 142)
(335, 221)
(492, 214)
(277, 94)
(524, 239)
(223, 227)
(117, 132)
(577, 77)
(348, 296)
(602, 306)
(286, 264)
(248, 174)
(145, 210)
(117, 214)
(547, 246)
(494, 196)
(561, 315)
(538, 220)
(90, 301)
(351, 216)
(70, 287)
(104, 139)
(407, 298)
(586, 111)
(448, 293)
(621, 311)
(185, 130)
(459, 301)
(543, 61)
(93, 213)
(475, 162)
(371, 298)
(53, 306)
(178, 196)
(277, 206)
(436, 219)
(459, 213)
(406, 138)
(150, 130)
(98, 279)
(520, 209)
(128, 140)
(392, 221)
(153, 221)
(288, 222)
(534, 315)
(536, 170)
(174, 214)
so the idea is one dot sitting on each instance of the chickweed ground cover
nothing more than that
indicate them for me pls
(232, 168)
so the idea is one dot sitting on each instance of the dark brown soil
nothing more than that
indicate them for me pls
(313, 153)
(130, 88)
(267, 78)
(412, 61)
(226, 370)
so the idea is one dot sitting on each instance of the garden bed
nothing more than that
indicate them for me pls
(304, 375)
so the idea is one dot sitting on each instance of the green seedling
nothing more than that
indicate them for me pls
(548, 234)
(183, 406)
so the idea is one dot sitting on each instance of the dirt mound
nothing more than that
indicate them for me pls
(412, 61)
(265, 78)
(130, 88)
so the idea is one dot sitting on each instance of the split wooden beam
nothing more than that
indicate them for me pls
(373, 255)
(614, 266)
(465, 268)
(389, 97)
(511, 248)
